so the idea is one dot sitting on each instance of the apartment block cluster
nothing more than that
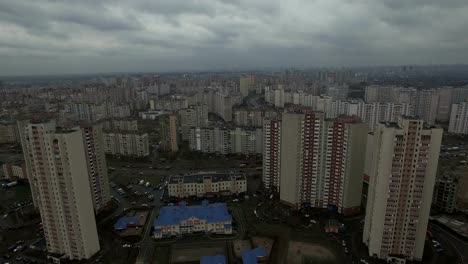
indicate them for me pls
(122, 138)
(313, 161)
(384, 104)
(95, 112)
(218, 101)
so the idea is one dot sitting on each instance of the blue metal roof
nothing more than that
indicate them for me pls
(249, 256)
(172, 215)
(217, 259)
(123, 222)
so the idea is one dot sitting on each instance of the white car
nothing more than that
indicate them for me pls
(126, 245)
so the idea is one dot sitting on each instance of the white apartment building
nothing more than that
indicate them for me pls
(315, 162)
(117, 111)
(86, 111)
(246, 84)
(275, 97)
(370, 112)
(204, 184)
(209, 140)
(401, 164)
(194, 116)
(428, 103)
(61, 189)
(245, 141)
(218, 101)
(171, 103)
(338, 91)
(226, 141)
(379, 93)
(126, 144)
(459, 119)
(444, 105)
(169, 135)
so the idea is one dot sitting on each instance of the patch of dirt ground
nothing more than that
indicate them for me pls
(298, 250)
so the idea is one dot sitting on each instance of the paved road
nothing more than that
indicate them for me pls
(445, 236)
(146, 245)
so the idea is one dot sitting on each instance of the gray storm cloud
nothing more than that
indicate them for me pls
(53, 37)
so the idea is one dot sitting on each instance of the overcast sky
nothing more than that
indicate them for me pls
(86, 36)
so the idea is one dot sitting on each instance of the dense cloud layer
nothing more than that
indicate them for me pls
(47, 37)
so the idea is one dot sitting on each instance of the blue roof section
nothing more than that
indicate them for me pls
(249, 256)
(172, 215)
(217, 259)
(123, 222)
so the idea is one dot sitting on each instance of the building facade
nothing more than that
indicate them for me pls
(61, 189)
(194, 116)
(320, 161)
(93, 139)
(179, 220)
(86, 111)
(459, 119)
(8, 132)
(401, 166)
(246, 84)
(204, 184)
(271, 152)
(126, 144)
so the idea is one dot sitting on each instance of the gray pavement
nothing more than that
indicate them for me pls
(445, 236)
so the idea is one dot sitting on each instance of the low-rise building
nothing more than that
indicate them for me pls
(182, 219)
(132, 224)
(205, 184)
(14, 171)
